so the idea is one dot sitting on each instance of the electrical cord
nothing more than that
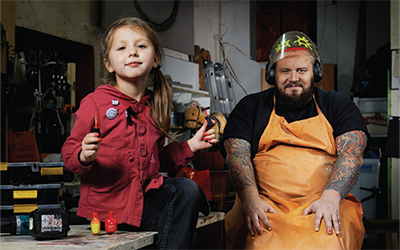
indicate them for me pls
(226, 60)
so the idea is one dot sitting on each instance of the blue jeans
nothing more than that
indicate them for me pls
(173, 210)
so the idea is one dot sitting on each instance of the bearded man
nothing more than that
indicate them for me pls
(294, 153)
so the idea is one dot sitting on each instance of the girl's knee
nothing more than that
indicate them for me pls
(187, 185)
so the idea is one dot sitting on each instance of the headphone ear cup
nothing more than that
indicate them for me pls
(270, 74)
(317, 70)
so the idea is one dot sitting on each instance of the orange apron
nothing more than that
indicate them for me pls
(291, 168)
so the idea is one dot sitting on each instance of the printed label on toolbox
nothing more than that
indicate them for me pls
(51, 223)
(24, 208)
(52, 171)
(25, 194)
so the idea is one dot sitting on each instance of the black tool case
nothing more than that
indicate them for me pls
(36, 173)
(26, 195)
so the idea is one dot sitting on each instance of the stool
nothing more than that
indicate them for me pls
(387, 227)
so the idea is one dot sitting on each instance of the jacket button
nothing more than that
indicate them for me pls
(142, 152)
(142, 176)
(141, 129)
(139, 108)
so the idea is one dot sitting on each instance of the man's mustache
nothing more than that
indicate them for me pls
(294, 85)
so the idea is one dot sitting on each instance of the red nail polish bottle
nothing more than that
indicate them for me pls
(111, 224)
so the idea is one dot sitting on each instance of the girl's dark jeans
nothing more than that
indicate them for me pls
(173, 210)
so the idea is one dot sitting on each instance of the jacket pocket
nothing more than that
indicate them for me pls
(111, 198)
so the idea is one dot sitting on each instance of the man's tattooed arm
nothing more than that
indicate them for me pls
(241, 173)
(346, 170)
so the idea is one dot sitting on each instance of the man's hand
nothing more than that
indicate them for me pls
(90, 146)
(241, 176)
(255, 210)
(344, 176)
(326, 207)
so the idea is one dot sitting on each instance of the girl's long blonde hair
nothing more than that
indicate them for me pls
(161, 104)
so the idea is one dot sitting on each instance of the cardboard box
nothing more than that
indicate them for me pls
(22, 147)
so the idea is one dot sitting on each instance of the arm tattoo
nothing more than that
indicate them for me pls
(241, 173)
(346, 170)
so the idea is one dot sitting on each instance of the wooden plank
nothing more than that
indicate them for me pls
(328, 80)
(264, 84)
(197, 59)
(71, 78)
(80, 237)
(8, 20)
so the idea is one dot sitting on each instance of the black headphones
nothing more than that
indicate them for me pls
(270, 74)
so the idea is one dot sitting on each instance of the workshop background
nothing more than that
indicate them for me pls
(54, 45)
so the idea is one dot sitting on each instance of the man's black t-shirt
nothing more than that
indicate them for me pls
(250, 117)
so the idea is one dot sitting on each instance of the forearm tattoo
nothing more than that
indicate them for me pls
(346, 170)
(241, 173)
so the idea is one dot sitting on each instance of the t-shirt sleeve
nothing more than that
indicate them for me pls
(240, 123)
(345, 116)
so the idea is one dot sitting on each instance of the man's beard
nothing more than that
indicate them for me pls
(293, 100)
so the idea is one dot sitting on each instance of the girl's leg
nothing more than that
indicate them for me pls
(173, 210)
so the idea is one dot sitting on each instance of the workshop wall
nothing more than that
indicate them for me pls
(395, 98)
(337, 24)
(77, 21)
(178, 36)
(337, 29)
(206, 24)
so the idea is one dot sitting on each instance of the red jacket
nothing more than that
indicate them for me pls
(130, 157)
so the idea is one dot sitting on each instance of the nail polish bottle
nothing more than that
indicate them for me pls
(111, 224)
(208, 119)
(95, 224)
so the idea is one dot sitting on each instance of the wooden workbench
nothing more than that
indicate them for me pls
(80, 237)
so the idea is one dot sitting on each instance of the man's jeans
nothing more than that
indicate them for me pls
(173, 210)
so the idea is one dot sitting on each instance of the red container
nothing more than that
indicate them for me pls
(111, 224)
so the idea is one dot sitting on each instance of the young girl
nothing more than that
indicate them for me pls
(120, 162)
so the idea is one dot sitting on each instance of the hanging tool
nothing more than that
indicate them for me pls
(375, 192)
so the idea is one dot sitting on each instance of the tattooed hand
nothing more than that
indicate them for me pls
(241, 175)
(344, 176)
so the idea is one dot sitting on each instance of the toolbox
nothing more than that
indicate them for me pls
(7, 211)
(30, 194)
(5, 176)
(37, 172)
(51, 172)
(6, 194)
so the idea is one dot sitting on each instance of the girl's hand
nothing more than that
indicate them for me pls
(90, 146)
(203, 139)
